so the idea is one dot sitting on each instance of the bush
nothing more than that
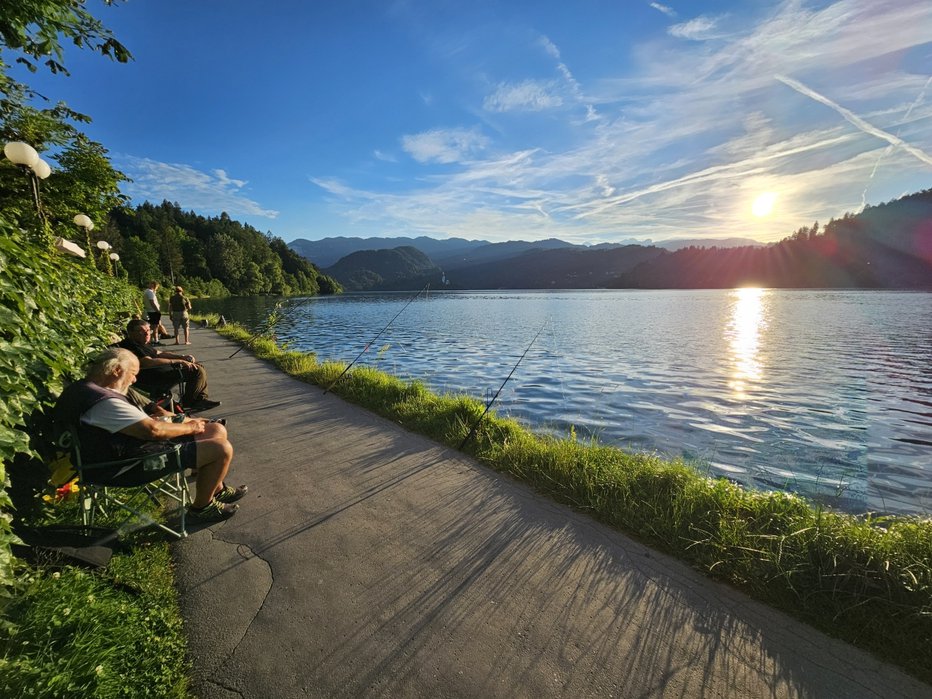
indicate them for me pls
(55, 311)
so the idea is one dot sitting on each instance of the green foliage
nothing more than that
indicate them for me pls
(54, 313)
(33, 31)
(81, 634)
(868, 581)
(214, 256)
(82, 179)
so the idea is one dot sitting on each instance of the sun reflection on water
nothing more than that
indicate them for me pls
(743, 333)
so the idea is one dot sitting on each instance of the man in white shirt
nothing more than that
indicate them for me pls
(150, 303)
(110, 427)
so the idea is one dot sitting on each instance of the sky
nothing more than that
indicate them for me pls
(590, 121)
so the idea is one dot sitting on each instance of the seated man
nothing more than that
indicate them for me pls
(110, 427)
(162, 370)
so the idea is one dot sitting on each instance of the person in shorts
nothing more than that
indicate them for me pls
(150, 304)
(110, 427)
(179, 305)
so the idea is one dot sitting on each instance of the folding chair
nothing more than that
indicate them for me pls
(161, 383)
(127, 483)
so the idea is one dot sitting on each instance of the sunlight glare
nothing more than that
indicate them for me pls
(743, 335)
(763, 205)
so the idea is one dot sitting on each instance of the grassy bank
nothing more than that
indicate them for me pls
(868, 581)
(78, 632)
(82, 634)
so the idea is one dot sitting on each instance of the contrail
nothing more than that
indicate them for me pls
(855, 120)
(889, 149)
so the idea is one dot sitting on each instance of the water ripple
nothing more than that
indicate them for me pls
(828, 393)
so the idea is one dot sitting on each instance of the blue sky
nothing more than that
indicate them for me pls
(589, 121)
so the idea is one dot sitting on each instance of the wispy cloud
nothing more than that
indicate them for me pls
(530, 95)
(206, 191)
(668, 11)
(444, 145)
(688, 136)
(697, 29)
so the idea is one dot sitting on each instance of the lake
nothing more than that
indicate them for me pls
(825, 393)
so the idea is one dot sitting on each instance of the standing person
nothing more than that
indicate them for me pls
(179, 305)
(150, 304)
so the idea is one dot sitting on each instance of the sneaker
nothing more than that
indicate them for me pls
(230, 494)
(215, 511)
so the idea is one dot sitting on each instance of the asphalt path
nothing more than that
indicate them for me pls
(367, 561)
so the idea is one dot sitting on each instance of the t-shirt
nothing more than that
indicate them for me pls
(113, 415)
(150, 301)
(139, 350)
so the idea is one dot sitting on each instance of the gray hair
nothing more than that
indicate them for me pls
(107, 361)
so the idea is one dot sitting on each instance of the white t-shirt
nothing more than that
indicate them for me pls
(113, 415)
(150, 301)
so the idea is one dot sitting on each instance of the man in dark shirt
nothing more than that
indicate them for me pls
(161, 369)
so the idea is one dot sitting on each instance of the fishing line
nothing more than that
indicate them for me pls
(488, 407)
(369, 344)
(269, 324)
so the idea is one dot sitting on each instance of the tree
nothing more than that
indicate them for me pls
(32, 31)
(140, 259)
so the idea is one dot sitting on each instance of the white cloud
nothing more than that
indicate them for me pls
(529, 95)
(668, 11)
(210, 192)
(550, 47)
(697, 29)
(690, 134)
(444, 145)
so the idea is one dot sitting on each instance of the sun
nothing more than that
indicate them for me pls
(763, 205)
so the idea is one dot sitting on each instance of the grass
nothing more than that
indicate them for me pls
(74, 632)
(863, 579)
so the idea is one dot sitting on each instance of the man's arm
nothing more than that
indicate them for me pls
(164, 359)
(154, 430)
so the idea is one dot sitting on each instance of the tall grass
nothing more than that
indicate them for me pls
(114, 632)
(77, 633)
(866, 580)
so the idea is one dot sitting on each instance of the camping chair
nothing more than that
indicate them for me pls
(160, 385)
(126, 484)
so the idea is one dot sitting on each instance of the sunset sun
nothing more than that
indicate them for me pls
(763, 205)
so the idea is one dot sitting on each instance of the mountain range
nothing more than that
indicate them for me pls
(326, 252)
(884, 246)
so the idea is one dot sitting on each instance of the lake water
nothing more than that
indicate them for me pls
(826, 393)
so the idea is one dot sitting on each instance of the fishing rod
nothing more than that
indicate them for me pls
(270, 320)
(488, 407)
(369, 344)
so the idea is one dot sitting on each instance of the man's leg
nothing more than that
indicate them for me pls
(214, 454)
(195, 388)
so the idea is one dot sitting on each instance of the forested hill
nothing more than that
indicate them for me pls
(887, 246)
(211, 256)
(383, 269)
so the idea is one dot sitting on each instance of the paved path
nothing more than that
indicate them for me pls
(368, 561)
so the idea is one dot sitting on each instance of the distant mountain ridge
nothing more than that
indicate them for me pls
(326, 252)
(888, 246)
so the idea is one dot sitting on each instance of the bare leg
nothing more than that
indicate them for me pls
(214, 454)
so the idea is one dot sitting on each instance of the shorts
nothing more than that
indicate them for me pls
(154, 318)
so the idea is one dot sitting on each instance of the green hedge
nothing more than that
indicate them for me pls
(55, 311)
